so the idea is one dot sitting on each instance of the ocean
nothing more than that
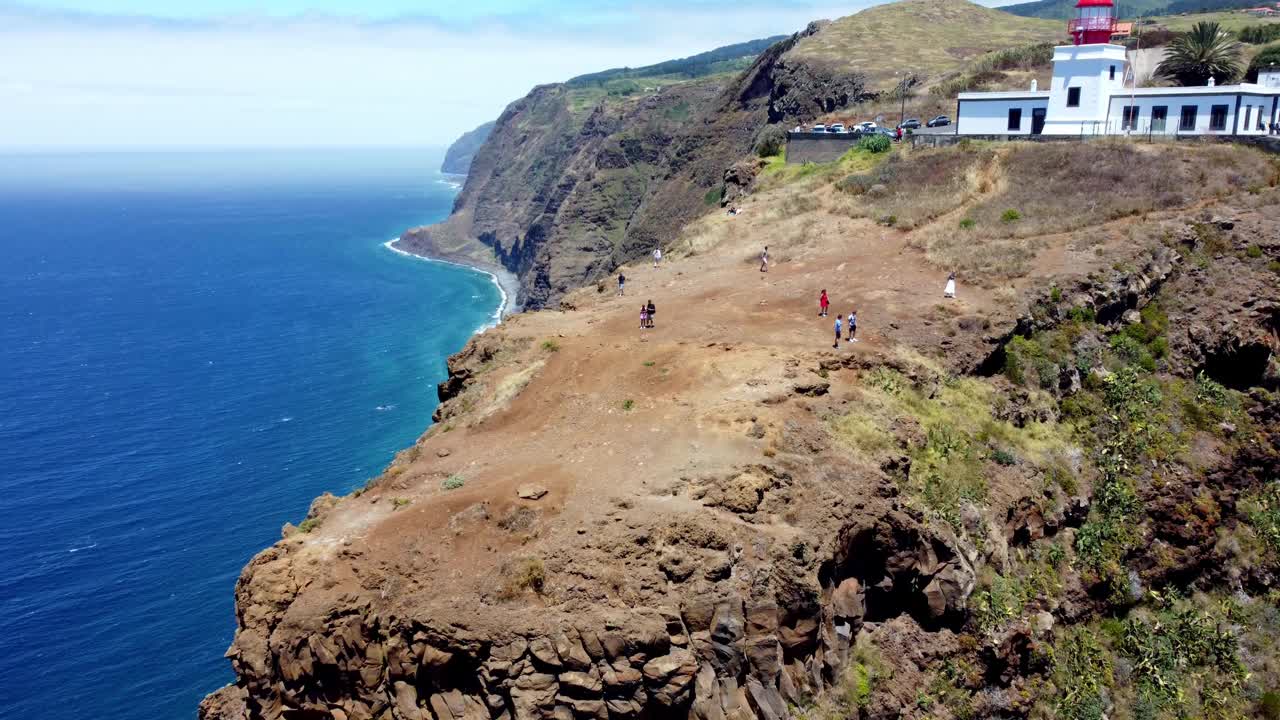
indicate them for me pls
(193, 346)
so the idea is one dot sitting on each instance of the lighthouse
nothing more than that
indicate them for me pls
(1094, 22)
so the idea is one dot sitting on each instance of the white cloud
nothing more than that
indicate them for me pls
(76, 80)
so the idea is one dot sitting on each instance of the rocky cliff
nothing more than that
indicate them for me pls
(577, 178)
(1053, 496)
(457, 160)
(571, 184)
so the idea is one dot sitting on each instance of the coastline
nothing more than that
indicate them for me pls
(507, 283)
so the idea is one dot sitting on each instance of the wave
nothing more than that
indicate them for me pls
(502, 294)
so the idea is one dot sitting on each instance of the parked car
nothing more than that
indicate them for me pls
(818, 128)
(939, 121)
(866, 126)
(910, 124)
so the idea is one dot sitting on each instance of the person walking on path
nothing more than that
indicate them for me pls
(657, 256)
(950, 290)
(644, 316)
(823, 304)
(651, 311)
(837, 343)
(853, 325)
(764, 259)
(622, 283)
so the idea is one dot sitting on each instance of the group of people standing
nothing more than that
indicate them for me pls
(824, 306)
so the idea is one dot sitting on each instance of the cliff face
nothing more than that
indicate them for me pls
(570, 184)
(457, 160)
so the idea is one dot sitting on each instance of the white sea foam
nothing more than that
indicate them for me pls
(497, 314)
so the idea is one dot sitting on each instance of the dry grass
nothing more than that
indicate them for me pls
(1042, 189)
(915, 188)
(926, 37)
(521, 575)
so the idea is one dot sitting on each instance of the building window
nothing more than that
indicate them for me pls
(1129, 118)
(1073, 97)
(1261, 125)
(1158, 115)
(1015, 118)
(1218, 117)
(1113, 72)
(1188, 121)
(1248, 115)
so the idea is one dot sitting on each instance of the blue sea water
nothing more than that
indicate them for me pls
(192, 347)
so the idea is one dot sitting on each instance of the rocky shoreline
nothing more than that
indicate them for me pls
(508, 284)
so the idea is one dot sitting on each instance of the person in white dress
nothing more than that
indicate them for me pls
(950, 290)
(657, 256)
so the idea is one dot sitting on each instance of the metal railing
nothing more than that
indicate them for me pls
(1088, 24)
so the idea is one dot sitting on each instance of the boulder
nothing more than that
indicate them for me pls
(848, 600)
(530, 491)
(407, 702)
(581, 684)
(571, 652)
(544, 651)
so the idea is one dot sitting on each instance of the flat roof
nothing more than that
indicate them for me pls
(1007, 95)
(1200, 90)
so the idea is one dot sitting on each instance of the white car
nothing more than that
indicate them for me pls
(867, 126)
(818, 128)
(837, 128)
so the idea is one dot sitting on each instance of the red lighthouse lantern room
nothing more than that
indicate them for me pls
(1094, 22)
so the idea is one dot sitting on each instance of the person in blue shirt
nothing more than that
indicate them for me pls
(837, 344)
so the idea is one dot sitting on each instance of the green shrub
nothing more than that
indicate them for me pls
(1263, 512)
(628, 404)
(1270, 705)
(770, 141)
(308, 525)
(1254, 252)
(1274, 266)
(874, 143)
(550, 346)
(397, 503)
(1010, 215)
(1003, 457)
(1082, 314)
(1055, 294)
(967, 223)
(453, 482)
(713, 196)
(1132, 351)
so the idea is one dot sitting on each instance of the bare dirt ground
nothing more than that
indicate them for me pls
(603, 512)
(607, 417)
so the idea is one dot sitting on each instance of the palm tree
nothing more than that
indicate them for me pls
(1206, 52)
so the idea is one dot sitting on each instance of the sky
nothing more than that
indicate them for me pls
(78, 74)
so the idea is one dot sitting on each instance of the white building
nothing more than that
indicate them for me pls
(1092, 93)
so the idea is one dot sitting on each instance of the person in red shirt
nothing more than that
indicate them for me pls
(823, 304)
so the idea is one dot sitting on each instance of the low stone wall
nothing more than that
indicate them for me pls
(1267, 143)
(804, 147)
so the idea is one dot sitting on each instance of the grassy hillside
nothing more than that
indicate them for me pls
(1063, 9)
(724, 59)
(1233, 21)
(926, 38)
